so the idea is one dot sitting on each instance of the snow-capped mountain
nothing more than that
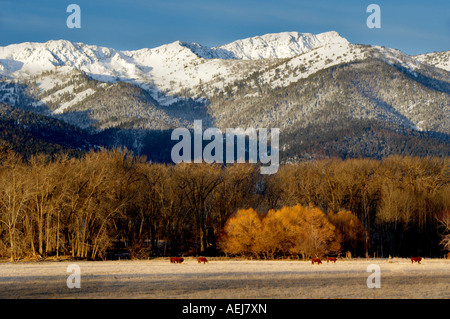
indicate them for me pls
(168, 70)
(288, 80)
(37, 57)
(159, 69)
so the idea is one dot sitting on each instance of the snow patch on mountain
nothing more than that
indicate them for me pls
(304, 65)
(78, 98)
(436, 59)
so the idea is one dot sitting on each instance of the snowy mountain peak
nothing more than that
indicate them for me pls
(272, 45)
(34, 57)
(31, 58)
(280, 45)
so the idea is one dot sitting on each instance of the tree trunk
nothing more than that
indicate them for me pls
(11, 241)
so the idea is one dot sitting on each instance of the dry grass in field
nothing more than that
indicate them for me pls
(278, 279)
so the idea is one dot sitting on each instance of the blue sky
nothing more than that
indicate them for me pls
(412, 26)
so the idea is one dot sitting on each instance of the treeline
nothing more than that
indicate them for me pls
(88, 206)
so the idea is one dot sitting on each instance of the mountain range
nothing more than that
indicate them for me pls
(329, 97)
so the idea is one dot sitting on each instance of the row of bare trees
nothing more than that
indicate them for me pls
(83, 207)
(398, 200)
(64, 206)
(105, 200)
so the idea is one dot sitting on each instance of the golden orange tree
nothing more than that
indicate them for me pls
(316, 235)
(243, 233)
(293, 230)
(279, 231)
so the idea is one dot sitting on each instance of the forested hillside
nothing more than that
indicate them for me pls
(30, 134)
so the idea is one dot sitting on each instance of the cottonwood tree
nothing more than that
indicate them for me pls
(350, 227)
(280, 232)
(242, 234)
(412, 190)
(281, 189)
(294, 230)
(47, 192)
(316, 235)
(150, 203)
(444, 222)
(14, 196)
(237, 190)
(197, 182)
(93, 199)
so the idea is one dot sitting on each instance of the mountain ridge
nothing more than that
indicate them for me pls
(289, 80)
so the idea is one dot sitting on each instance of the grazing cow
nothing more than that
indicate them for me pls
(416, 259)
(202, 260)
(332, 259)
(315, 260)
(176, 260)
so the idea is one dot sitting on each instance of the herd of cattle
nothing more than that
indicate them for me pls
(179, 260)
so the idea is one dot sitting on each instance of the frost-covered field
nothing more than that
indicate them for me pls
(226, 279)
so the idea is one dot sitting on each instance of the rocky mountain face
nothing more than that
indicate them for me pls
(328, 97)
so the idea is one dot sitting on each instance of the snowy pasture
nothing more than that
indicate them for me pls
(224, 279)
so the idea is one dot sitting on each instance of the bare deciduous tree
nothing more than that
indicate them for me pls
(444, 221)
